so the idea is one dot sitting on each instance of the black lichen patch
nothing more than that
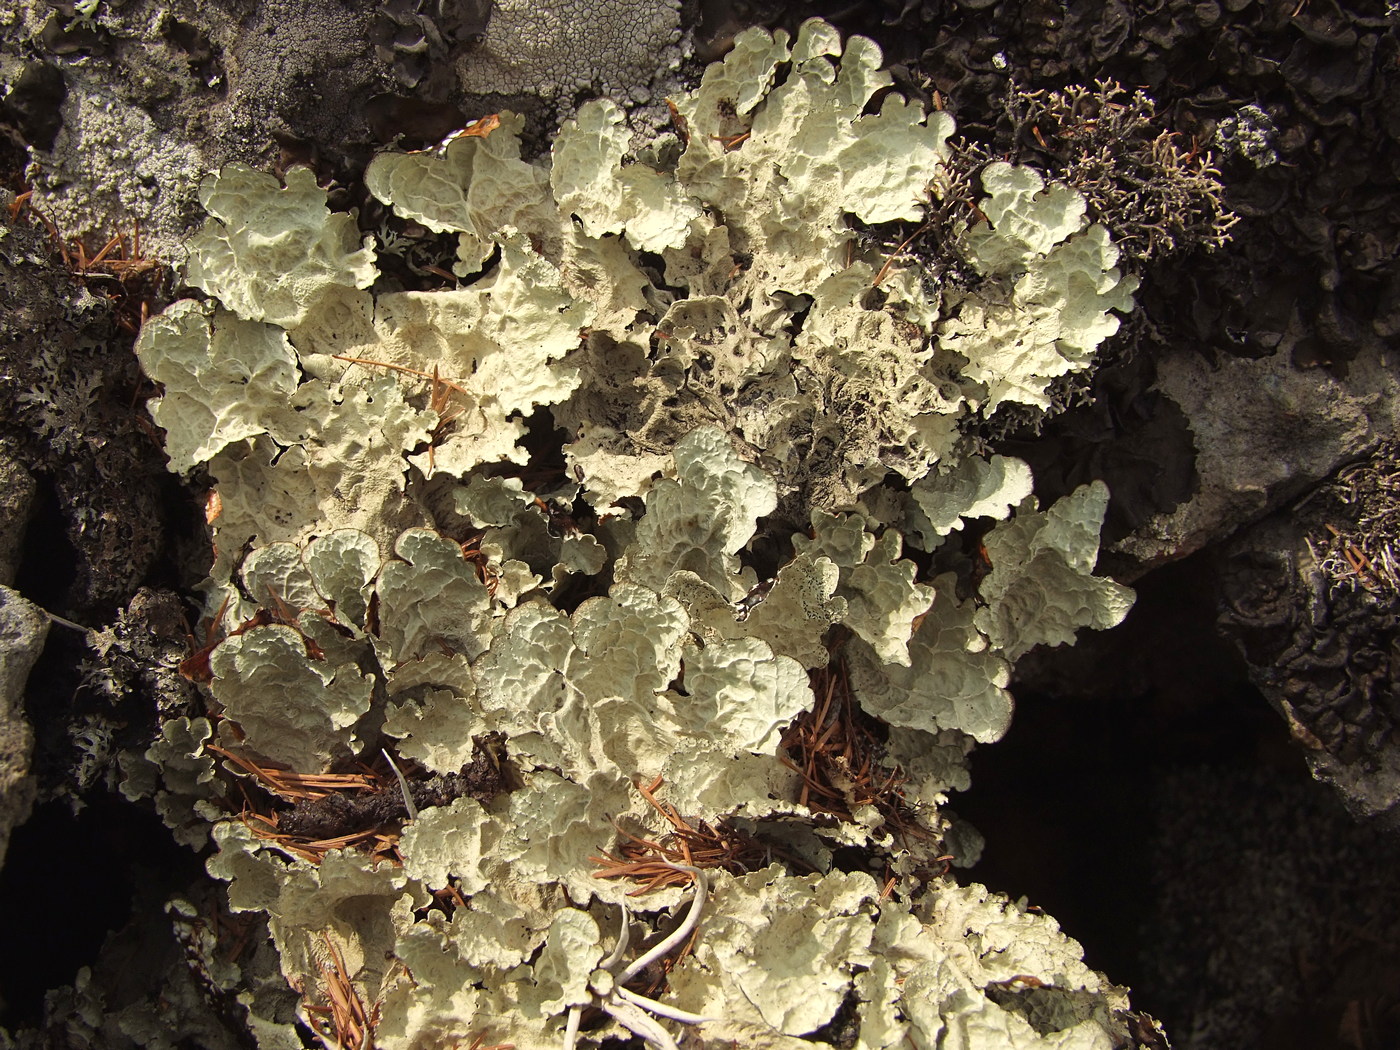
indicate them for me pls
(75, 419)
(1326, 654)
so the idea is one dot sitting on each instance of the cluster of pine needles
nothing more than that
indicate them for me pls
(835, 747)
(294, 788)
(838, 749)
(697, 845)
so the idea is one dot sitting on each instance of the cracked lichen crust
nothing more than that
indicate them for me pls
(684, 441)
(577, 45)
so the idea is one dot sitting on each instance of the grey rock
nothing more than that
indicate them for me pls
(23, 627)
(154, 95)
(1266, 432)
(559, 48)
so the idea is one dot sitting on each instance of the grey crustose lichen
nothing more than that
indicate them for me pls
(553, 49)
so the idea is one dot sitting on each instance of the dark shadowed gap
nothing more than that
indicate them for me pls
(1067, 799)
(47, 568)
(68, 881)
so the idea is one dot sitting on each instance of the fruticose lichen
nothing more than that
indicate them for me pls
(761, 411)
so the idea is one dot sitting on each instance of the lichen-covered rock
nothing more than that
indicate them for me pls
(553, 49)
(66, 376)
(17, 489)
(1308, 599)
(1265, 431)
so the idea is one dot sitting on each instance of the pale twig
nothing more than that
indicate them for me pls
(684, 930)
(403, 786)
(632, 1010)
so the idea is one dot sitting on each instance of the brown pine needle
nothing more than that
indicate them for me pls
(700, 845)
(293, 786)
(350, 1025)
(885, 270)
(837, 751)
(405, 370)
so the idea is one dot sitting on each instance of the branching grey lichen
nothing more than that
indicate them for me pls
(1359, 549)
(1158, 193)
(761, 411)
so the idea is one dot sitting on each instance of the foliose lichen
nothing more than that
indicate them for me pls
(764, 484)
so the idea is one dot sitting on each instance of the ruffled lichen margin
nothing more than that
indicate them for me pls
(767, 459)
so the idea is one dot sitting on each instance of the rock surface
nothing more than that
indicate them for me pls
(23, 627)
(1266, 432)
(1321, 636)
